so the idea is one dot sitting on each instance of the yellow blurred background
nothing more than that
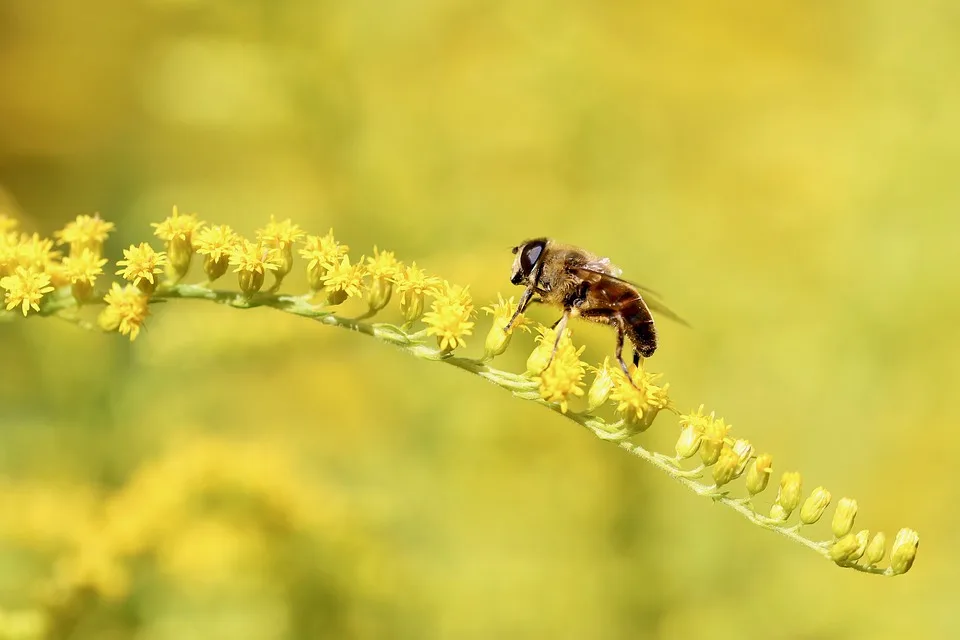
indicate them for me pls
(784, 173)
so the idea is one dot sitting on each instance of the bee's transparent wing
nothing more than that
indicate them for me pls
(650, 297)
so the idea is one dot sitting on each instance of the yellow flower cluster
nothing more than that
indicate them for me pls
(560, 374)
(449, 316)
(30, 267)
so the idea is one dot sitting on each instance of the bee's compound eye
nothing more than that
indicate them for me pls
(530, 255)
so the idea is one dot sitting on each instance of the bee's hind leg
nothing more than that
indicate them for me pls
(636, 358)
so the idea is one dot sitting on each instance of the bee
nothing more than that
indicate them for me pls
(588, 286)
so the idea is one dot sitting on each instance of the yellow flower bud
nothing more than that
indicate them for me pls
(791, 484)
(250, 281)
(284, 262)
(714, 433)
(82, 291)
(759, 474)
(215, 267)
(744, 451)
(843, 549)
(601, 388)
(497, 339)
(379, 295)
(689, 441)
(179, 254)
(844, 516)
(814, 506)
(876, 549)
(778, 513)
(411, 305)
(904, 550)
(863, 538)
(726, 467)
(336, 296)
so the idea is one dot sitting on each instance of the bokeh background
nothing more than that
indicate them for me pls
(786, 174)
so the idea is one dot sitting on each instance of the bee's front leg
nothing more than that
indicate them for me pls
(525, 301)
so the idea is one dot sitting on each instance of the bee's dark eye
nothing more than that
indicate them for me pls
(530, 255)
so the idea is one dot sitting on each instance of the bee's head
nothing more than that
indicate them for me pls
(526, 265)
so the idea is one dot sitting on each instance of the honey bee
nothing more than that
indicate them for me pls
(588, 286)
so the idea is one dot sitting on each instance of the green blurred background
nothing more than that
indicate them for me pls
(786, 174)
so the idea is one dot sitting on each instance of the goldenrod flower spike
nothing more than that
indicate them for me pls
(28, 268)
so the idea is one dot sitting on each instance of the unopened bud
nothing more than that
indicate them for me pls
(689, 441)
(777, 513)
(215, 268)
(876, 549)
(380, 292)
(284, 261)
(601, 388)
(726, 467)
(863, 539)
(411, 305)
(843, 549)
(316, 274)
(791, 485)
(336, 296)
(814, 506)
(844, 517)
(904, 550)
(82, 291)
(759, 474)
(744, 451)
(179, 254)
(250, 281)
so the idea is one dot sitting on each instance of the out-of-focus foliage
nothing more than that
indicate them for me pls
(783, 174)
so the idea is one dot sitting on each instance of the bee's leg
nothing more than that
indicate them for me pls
(636, 357)
(561, 326)
(621, 333)
(525, 300)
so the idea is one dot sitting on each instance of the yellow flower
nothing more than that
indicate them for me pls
(252, 261)
(413, 284)
(322, 253)
(177, 231)
(449, 317)
(25, 288)
(383, 267)
(344, 281)
(497, 338)
(563, 379)
(215, 243)
(714, 434)
(141, 264)
(127, 309)
(86, 232)
(81, 272)
(35, 252)
(640, 401)
(281, 236)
